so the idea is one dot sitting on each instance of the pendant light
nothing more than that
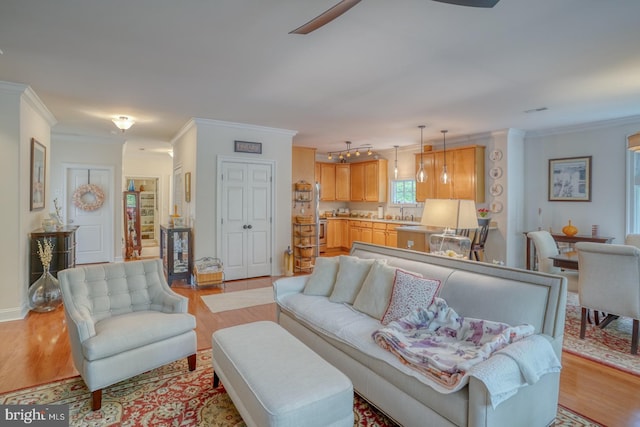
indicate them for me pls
(395, 168)
(421, 175)
(445, 178)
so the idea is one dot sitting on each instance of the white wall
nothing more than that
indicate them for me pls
(606, 143)
(22, 116)
(216, 138)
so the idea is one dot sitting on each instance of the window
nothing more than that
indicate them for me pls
(403, 192)
(633, 193)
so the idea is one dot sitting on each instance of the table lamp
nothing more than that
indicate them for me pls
(450, 214)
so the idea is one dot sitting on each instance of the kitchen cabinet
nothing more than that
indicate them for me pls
(369, 181)
(466, 165)
(384, 234)
(334, 234)
(343, 182)
(327, 182)
(360, 231)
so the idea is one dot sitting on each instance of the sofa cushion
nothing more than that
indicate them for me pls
(323, 277)
(351, 275)
(375, 293)
(409, 292)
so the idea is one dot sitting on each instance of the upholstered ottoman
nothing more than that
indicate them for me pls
(275, 380)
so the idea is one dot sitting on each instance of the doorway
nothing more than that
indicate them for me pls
(246, 218)
(94, 237)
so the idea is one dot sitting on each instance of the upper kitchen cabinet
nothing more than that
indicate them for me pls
(327, 181)
(466, 165)
(369, 181)
(343, 182)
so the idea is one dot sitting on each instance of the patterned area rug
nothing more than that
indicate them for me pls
(610, 346)
(173, 396)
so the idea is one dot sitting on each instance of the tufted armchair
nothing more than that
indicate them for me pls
(123, 319)
(610, 282)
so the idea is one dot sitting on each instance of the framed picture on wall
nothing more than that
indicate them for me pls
(570, 179)
(38, 175)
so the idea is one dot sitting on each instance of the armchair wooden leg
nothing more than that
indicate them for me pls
(96, 400)
(634, 336)
(583, 322)
(192, 362)
(216, 380)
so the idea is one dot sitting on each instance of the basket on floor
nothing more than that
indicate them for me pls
(208, 271)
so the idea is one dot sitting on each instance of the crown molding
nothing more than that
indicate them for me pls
(584, 127)
(27, 94)
(244, 126)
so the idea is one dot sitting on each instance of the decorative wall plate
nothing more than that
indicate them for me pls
(496, 172)
(496, 207)
(495, 155)
(496, 189)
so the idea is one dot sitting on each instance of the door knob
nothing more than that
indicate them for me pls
(244, 226)
(250, 227)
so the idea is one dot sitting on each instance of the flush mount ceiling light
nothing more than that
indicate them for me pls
(421, 175)
(123, 122)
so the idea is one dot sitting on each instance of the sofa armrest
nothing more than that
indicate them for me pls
(288, 285)
(168, 301)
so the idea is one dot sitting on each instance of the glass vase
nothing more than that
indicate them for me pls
(45, 294)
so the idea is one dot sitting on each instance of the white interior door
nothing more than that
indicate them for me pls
(246, 219)
(95, 228)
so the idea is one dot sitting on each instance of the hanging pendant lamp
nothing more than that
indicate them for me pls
(395, 168)
(421, 175)
(445, 178)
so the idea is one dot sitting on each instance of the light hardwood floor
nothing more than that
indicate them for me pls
(36, 350)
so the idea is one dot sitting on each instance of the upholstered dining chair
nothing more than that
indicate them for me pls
(546, 247)
(123, 319)
(610, 282)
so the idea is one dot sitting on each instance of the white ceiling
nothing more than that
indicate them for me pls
(371, 76)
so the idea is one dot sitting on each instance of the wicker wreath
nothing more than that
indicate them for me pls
(88, 197)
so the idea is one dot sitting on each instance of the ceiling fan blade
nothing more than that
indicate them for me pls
(473, 3)
(326, 17)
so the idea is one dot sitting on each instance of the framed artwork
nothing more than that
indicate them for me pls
(38, 175)
(187, 187)
(570, 179)
(247, 147)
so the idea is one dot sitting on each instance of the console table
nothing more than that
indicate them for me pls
(64, 251)
(563, 238)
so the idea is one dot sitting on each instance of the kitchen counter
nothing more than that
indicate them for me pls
(402, 223)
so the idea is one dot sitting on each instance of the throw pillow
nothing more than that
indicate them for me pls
(323, 277)
(409, 292)
(375, 293)
(351, 274)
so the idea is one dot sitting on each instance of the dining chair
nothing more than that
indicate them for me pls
(478, 243)
(610, 282)
(633, 240)
(547, 247)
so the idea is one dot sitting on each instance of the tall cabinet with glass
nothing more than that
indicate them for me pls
(148, 188)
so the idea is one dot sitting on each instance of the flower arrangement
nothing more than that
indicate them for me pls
(483, 212)
(45, 252)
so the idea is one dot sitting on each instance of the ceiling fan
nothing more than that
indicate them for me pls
(344, 5)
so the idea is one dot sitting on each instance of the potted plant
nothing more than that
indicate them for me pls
(483, 216)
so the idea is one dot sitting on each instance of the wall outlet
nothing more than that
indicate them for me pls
(409, 244)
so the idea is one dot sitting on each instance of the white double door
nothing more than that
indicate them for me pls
(246, 219)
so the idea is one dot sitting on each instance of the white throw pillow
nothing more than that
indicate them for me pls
(375, 293)
(351, 275)
(409, 292)
(323, 277)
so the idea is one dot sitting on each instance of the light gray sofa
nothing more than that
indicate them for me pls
(472, 289)
(123, 319)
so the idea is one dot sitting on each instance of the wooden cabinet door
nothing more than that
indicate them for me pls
(371, 182)
(392, 239)
(344, 235)
(355, 232)
(366, 235)
(343, 182)
(465, 185)
(357, 182)
(442, 191)
(327, 181)
(379, 233)
(333, 234)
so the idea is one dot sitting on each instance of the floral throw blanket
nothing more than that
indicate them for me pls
(442, 345)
